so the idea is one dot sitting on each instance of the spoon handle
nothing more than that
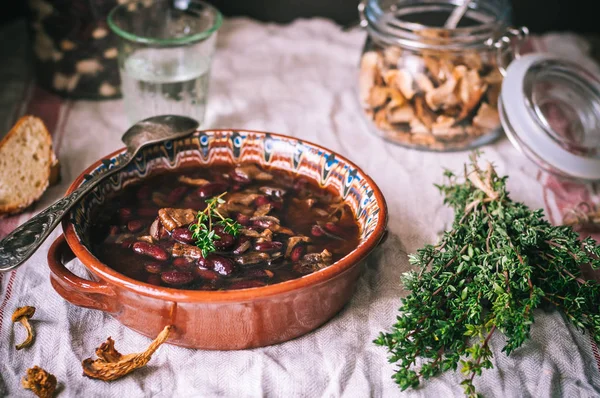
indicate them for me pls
(21, 243)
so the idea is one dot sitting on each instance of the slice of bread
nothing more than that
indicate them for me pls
(27, 165)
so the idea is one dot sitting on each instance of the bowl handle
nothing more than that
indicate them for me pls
(76, 290)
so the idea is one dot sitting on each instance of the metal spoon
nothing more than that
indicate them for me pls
(456, 15)
(21, 243)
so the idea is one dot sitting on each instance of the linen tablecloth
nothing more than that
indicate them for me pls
(300, 80)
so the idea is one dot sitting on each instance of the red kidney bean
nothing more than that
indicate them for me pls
(277, 205)
(153, 267)
(148, 249)
(143, 192)
(222, 265)
(243, 219)
(154, 279)
(191, 202)
(263, 223)
(177, 278)
(297, 253)
(205, 263)
(182, 263)
(268, 246)
(211, 189)
(226, 240)
(126, 244)
(114, 230)
(148, 211)
(236, 187)
(183, 235)
(259, 273)
(246, 284)
(334, 229)
(317, 231)
(206, 274)
(176, 194)
(135, 225)
(125, 214)
(240, 178)
(261, 200)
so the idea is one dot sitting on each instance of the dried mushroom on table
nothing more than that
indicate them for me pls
(436, 100)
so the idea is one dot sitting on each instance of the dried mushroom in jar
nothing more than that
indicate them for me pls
(439, 100)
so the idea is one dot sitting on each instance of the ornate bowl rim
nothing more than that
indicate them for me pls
(106, 273)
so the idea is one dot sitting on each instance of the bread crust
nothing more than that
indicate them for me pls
(15, 208)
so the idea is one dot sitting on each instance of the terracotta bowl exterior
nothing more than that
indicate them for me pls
(221, 320)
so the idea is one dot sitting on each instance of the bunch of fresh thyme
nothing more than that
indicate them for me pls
(203, 230)
(499, 262)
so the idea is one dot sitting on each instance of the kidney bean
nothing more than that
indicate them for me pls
(226, 240)
(183, 235)
(211, 189)
(148, 249)
(237, 187)
(182, 263)
(125, 214)
(143, 192)
(206, 274)
(154, 279)
(259, 273)
(126, 244)
(263, 223)
(222, 265)
(148, 211)
(205, 263)
(246, 284)
(297, 253)
(268, 246)
(261, 200)
(135, 225)
(114, 230)
(334, 228)
(317, 231)
(177, 278)
(243, 219)
(191, 202)
(153, 267)
(176, 194)
(241, 178)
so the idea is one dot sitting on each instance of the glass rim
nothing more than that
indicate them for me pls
(165, 42)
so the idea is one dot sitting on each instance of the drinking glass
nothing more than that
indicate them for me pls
(165, 52)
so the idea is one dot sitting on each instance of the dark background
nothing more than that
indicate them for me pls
(539, 15)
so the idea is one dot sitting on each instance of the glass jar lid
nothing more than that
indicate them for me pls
(550, 110)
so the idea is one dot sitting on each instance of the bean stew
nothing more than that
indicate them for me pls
(222, 228)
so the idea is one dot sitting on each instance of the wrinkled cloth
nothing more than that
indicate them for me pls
(300, 80)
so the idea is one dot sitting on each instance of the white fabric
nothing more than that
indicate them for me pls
(299, 80)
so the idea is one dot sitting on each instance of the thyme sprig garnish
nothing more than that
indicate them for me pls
(499, 262)
(202, 230)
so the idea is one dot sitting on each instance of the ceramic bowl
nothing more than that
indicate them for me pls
(221, 320)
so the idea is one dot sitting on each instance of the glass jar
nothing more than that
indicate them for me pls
(427, 87)
(75, 52)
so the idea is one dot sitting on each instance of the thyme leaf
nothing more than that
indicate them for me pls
(499, 262)
(202, 229)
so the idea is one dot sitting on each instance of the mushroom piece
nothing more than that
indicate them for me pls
(487, 117)
(293, 242)
(196, 182)
(442, 96)
(251, 172)
(391, 56)
(312, 262)
(403, 114)
(368, 74)
(183, 250)
(475, 88)
(416, 127)
(175, 218)
(423, 82)
(273, 191)
(22, 315)
(244, 198)
(112, 365)
(40, 382)
(402, 80)
(378, 96)
(263, 210)
(381, 120)
(251, 258)
(444, 128)
(424, 113)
